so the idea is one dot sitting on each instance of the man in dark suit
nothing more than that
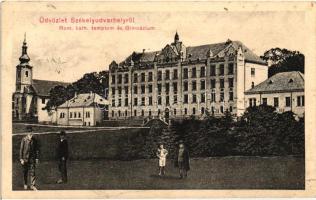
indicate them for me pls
(182, 160)
(62, 155)
(29, 157)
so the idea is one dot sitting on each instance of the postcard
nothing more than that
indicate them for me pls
(158, 99)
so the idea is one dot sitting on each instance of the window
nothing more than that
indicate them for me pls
(113, 91)
(230, 108)
(135, 78)
(113, 102)
(222, 109)
(301, 101)
(212, 70)
(202, 110)
(202, 86)
(119, 102)
(186, 99)
(62, 115)
(167, 88)
(202, 98)
(150, 101)
(231, 82)
(159, 76)
(231, 68)
(185, 73)
(75, 114)
(43, 100)
(221, 83)
(149, 113)
(142, 89)
(287, 101)
(193, 98)
(143, 101)
(185, 86)
(135, 89)
(175, 111)
(221, 69)
(112, 116)
(193, 85)
(193, 75)
(213, 96)
(213, 83)
(150, 76)
(175, 74)
(185, 111)
(126, 90)
(159, 88)
(202, 72)
(167, 100)
(126, 101)
(135, 101)
(231, 96)
(126, 113)
(276, 102)
(119, 81)
(193, 111)
(150, 88)
(212, 110)
(252, 102)
(113, 79)
(167, 77)
(143, 113)
(142, 75)
(175, 99)
(125, 78)
(265, 101)
(135, 113)
(159, 100)
(222, 95)
(253, 71)
(119, 91)
(88, 114)
(175, 87)
(119, 113)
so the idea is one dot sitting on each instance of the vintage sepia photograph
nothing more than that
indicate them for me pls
(127, 99)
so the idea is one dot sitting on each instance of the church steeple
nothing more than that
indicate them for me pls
(176, 37)
(24, 57)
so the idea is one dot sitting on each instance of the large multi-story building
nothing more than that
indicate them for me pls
(180, 81)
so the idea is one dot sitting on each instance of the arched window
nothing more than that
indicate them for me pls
(202, 110)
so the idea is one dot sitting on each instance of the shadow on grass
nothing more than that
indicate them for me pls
(167, 177)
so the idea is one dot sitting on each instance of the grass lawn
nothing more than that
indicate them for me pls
(206, 173)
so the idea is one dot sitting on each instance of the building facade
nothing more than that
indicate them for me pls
(88, 109)
(31, 95)
(284, 91)
(181, 81)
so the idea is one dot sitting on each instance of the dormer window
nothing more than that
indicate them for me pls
(291, 81)
(270, 82)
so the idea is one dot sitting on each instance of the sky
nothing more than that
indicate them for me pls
(66, 55)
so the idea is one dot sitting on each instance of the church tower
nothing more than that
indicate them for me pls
(24, 73)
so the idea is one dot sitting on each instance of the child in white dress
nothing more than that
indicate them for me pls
(162, 155)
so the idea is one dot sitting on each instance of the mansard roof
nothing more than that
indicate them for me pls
(43, 87)
(280, 82)
(195, 52)
(84, 100)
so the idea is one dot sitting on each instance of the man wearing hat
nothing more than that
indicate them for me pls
(29, 157)
(182, 160)
(62, 155)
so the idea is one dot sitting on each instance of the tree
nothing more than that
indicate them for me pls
(90, 82)
(284, 60)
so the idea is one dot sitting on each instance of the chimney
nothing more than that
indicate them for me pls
(143, 50)
(76, 94)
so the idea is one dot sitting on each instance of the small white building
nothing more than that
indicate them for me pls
(87, 109)
(284, 91)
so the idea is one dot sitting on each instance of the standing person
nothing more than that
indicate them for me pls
(182, 160)
(29, 157)
(62, 154)
(162, 156)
